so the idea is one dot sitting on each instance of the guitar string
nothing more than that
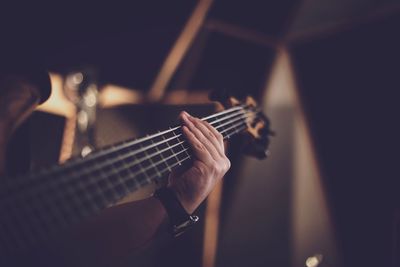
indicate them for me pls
(59, 182)
(159, 153)
(229, 130)
(133, 176)
(9, 183)
(235, 112)
(136, 162)
(133, 163)
(69, 165)
(177, 136)
(236, 128)
(131, 143)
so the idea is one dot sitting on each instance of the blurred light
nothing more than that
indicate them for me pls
(86, 150)
(179, 50)
(83, 120)
(112, 95)
(57, 102)
(308, 193)
(178, 97)
(90, 97)
(315, 260)
(76, 78)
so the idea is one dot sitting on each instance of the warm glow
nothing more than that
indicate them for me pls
(178, 97)
(211, 226)
(58, 103)
(112, 95)
(311, 223)
(179, 50)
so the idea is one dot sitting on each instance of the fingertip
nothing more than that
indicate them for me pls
(184, 114)
(186, 129)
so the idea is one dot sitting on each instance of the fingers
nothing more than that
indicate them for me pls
(198, 148)
(215, 136)
(203, 136)
(206, 142)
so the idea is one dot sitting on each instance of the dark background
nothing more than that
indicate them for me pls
(347, 63)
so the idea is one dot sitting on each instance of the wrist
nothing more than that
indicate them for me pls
(186, 203)
(179, 218)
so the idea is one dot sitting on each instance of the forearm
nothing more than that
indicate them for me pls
(116, 233)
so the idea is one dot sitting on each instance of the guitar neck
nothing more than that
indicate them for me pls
(41, 203)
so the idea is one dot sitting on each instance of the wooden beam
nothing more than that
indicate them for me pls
(179, 50)
(241, 33)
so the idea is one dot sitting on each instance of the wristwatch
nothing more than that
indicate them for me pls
(179, 219)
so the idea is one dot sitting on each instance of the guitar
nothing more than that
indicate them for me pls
(35, 206)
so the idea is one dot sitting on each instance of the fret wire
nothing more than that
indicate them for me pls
(144, 169)
(244, 126)
(43, 174)
(100, 168)
(182, 142)
(148, 157)
(169, 148)
(54, 169)
(179, 161)
(166, 141)
(79, 207)
(136, 141)
(185, 149)
(127, 155)
(160, 153)
(173, 154)
(230, 113)
(179, 135)
(158, 143)
(87, 184)
(174, 165)
(138, 163)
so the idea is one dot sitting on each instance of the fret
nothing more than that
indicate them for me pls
(170, 160)
(122, 173)
(103, 184)
(140, 167)
(146, 152)
(166, 152)
(38, 204)
(181, 145)
(176, 148)
(159, 154)
(178, 154)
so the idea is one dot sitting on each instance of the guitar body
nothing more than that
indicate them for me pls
(35, 207)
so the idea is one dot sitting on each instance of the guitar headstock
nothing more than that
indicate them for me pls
(256, 136)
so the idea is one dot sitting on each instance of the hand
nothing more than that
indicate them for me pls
(209, 163)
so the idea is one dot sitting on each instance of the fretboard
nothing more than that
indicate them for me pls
(35, 206)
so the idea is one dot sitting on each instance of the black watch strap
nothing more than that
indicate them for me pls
(180, 220)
